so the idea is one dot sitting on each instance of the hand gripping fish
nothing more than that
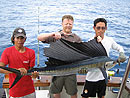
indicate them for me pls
(65, 58)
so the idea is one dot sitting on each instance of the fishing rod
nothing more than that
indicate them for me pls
(38, 41)
(38, 64)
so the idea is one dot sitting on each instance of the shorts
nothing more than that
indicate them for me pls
(2, 93)
(69, 82)
(32, 95)
(91, 88)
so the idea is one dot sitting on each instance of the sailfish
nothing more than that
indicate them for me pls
(65, 58)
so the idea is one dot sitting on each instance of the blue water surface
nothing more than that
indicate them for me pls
(26, 13)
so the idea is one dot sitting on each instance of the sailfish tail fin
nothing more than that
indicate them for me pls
(10, 69)
(18, 77)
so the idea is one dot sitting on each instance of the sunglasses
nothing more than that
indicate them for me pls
(98, 28)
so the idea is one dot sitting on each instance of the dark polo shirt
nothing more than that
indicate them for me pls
(70, 37)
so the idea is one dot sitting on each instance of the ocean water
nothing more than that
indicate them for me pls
(43, 16)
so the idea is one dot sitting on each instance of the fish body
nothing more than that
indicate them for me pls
(72, 68)
(68, 69)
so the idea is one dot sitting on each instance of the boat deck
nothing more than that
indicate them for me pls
(44, 81)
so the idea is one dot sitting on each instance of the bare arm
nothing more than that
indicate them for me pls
(44, 36)
(22, 70)
(2, 70)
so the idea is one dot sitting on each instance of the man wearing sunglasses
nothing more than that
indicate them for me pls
(95, 79)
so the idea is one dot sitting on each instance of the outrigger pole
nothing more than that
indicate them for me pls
(123, 83)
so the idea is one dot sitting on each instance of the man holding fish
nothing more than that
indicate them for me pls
(22, 59)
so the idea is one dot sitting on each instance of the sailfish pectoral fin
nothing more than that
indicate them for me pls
(18, 77)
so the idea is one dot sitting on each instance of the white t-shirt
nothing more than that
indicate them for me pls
(108, 43)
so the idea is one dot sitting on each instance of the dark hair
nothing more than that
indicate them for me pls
(67, 17)
(12, 39)
(100, 20)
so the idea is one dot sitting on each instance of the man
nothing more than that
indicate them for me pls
(59, 81)
(95, 80)
(21, 58)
